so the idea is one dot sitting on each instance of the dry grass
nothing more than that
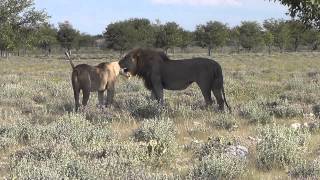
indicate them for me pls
(36, 93)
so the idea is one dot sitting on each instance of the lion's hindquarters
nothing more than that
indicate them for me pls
(218, 88)
(76, 88)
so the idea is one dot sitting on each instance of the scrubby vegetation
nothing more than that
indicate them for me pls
(42, 138)
(280, 146)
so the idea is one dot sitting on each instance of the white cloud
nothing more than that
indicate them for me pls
(200, 2)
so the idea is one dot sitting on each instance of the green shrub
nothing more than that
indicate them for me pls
(141, 107)
(6, 142)
(224, 121)
(73, 128)
(216, 162)
(98, 115)
(306, 169)
(280, 146)
(80, 132)
(60, 161)
(299, 96)
(255, 113)
(132, 85)
(159, 134)
(219, 166)
(284, 109)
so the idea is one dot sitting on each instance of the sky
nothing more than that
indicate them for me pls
(93, 16)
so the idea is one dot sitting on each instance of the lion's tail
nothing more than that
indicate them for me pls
(69, 59)
(225, 100)
(219, 84)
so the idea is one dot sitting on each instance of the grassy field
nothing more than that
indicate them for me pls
(41, 136)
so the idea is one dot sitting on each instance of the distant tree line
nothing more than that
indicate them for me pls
(250, 36)
(22, 28)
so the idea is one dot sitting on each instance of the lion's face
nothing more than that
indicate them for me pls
(129, 64)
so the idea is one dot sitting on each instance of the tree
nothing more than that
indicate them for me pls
(185, 40)
(250, 34)
(234, 38)
(67, 35)
(268, 40)
(212, 35)
(280, 32)
(169, 36)
(128, 34)
(18, 19)
(84, 40)
(118, 36)
(47, 37)
(296, 31)
(312, 38)
(308, 11)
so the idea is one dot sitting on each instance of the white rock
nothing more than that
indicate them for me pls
(295, 126)
(256, 140)
(196, 123)
(238, 150)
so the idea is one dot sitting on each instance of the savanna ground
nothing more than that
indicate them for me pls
(40, 136)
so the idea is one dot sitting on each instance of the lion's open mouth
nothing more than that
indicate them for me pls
(125, 72)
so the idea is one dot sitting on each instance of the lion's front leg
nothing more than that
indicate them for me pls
(100, 97)
(110, 95)
(153, 95)
(157, 88)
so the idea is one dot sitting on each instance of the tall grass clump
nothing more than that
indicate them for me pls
(60, 161)
(306, 169)
(283, 109)
(224, 121)
(219, 166)
(255, 113)
(280, 146)
(159, 134)
(215, 162)
(142, 107)
(80, 132)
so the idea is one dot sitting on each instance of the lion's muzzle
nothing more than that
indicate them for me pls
(125, 72)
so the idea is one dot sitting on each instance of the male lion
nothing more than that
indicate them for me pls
(159, 72)
(94, 78)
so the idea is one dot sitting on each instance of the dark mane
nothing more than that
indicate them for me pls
(164, 56)
(147, 60)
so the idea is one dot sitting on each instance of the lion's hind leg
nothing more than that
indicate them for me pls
(76, 89)
(76, 92)
(206, 92)
(218, 95)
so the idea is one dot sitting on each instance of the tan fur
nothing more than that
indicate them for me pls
(94, 78)
(159, 72)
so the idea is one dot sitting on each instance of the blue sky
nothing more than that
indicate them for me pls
(93, 16)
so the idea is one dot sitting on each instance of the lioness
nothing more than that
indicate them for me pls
(94, 78)
(159, 72)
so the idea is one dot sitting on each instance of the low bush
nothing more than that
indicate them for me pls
(284, 109)
(224, 121)
(60, 161)
(280, 146)
(215, 162)
(306, 169)
(219, 166)
(255, 113)
(142, 107)
(159, 134)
